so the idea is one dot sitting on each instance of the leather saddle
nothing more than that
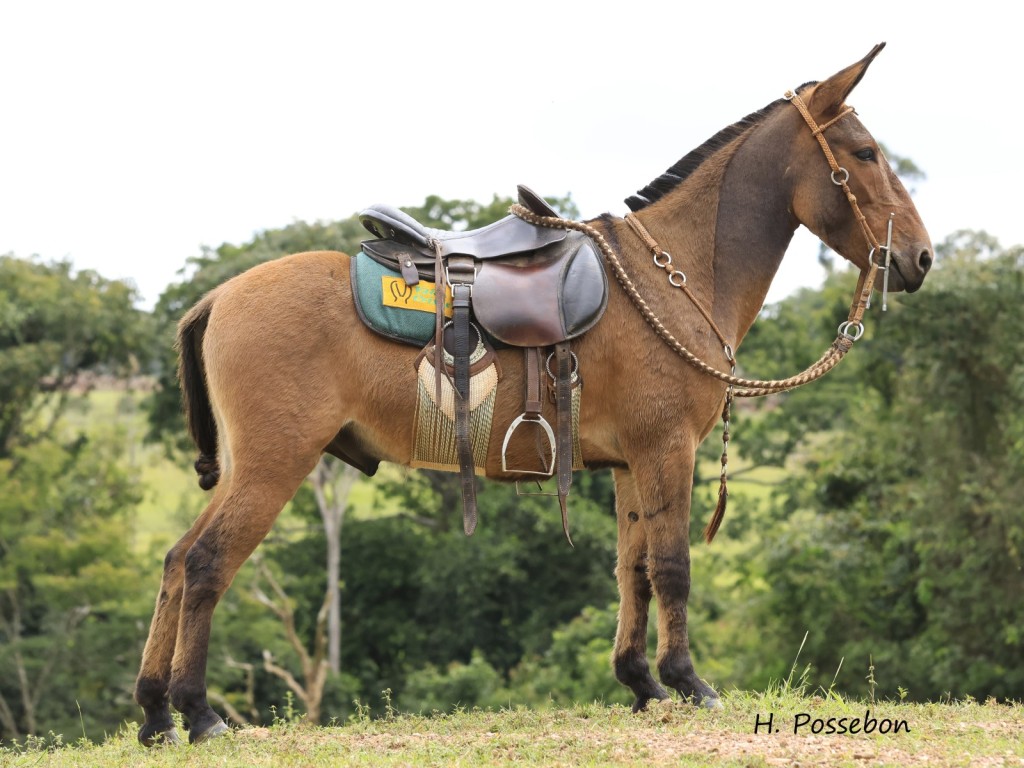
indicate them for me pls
(527, 286)
(532, 286)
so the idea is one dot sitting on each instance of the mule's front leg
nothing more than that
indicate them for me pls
(629, 658)
(664, 488)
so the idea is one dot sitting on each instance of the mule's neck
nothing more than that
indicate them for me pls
(753, 228)
(728, 226)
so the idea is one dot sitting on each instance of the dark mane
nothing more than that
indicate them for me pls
(675, 175)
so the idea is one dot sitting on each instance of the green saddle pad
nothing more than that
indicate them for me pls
(390, 307)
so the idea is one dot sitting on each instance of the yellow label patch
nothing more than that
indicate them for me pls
(419, 297)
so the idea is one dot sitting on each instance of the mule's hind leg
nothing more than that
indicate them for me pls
(664, 488)
(155, 672)
(629, 658)
(252, 502)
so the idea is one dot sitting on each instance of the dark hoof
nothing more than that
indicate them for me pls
(214, 731)
(169, 737)
(641, 702)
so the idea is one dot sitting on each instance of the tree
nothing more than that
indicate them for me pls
(66, 569)
(900, 539)
(55, 326)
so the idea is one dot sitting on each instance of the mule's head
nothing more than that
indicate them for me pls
(820, 202)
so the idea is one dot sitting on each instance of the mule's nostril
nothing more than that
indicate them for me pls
(925, 260)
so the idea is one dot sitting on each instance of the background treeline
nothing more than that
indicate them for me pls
(876, 512)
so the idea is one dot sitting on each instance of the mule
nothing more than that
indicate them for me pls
(277, 369)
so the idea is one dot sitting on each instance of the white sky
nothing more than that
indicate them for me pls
(132, 133)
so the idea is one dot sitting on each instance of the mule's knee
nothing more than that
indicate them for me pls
(670, 577)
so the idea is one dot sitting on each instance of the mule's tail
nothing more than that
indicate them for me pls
(194, 394)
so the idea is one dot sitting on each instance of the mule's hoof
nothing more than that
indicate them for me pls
(214, 731)
(711, 702)
(168, 738)
(640, 705)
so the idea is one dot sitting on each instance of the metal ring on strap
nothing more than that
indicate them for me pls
(666, 263)
(575, 367)
(846, 177)
(846, 326)
(672, 279)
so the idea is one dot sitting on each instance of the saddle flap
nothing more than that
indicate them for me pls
(541, 301)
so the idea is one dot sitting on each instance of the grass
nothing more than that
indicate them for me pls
(953, 734)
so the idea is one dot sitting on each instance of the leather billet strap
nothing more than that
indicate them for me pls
(563, 419)
(461, 272)
(533, 389)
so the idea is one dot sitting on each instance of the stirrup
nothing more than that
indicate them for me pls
(518, 422)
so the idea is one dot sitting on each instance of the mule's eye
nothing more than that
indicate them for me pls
(865, 154)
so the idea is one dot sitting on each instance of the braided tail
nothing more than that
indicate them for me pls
(194, 395)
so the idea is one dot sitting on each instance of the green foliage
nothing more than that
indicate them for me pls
(55, 325)
(69, 609)
(460, 686)
(65, 500)
(901, 539)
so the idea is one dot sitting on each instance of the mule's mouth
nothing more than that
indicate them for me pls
(898, 282)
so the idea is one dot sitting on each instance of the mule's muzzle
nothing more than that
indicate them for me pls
(907, 270)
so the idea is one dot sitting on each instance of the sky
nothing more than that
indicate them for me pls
(133, 134)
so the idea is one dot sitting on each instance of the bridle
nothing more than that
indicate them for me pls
(849, 331)
(840, 177)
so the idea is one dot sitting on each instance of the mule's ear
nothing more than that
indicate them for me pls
(831, 94)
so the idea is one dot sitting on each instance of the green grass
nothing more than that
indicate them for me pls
(955, 734)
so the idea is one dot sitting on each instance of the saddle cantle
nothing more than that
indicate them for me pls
(526, 285)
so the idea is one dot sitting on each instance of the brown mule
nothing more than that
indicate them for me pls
(277, 369)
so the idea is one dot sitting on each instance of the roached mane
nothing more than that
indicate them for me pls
(675, 175)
